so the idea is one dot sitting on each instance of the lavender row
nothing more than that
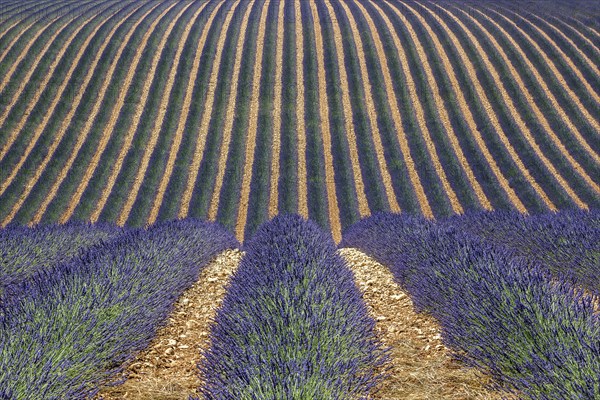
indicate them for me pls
(501, 312)
(293, 324)
(26, 251)
(567, 243)
(73, 326)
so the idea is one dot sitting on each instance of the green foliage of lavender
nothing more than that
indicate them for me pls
(25, 251)
(293, 324)
(501, 312)
(567, 242)
(73, 326)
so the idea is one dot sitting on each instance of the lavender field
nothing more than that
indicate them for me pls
(299, 199)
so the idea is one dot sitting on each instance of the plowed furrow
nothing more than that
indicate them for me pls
(187, 103)
(300, 114)
(206, 116)
(334, 210)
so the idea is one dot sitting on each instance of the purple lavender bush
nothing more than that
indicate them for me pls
(293, 324)
(565, 242)
(73, 326)
(25, 251)
(499, 311)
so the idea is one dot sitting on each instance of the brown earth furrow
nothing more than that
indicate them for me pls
(591, 119)
(538, 113)
(420, 115)
(458, 92)
(435, 90)
(15, 39)
(421, 366)
(50, 110)
(19, 91)
(206, 116)
(591, 88)
(187, 103)
(372, 112)
(500, 84)
(108, 130)
(487, 106)
(250, 145)
(538, 77)
(332, 201)
(90, 119)
(167, 369)
(582, 36)
(136, 120)
(572, 44)
(276, 147)
(300, 114)
(363, 204)
(229, 116)
(67, 121)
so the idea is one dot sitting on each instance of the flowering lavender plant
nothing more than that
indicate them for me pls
(293, 324)
(73, 325)
(499, 310)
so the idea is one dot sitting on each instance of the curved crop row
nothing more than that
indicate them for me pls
(71, 327)
(293, 323)
(499, 312)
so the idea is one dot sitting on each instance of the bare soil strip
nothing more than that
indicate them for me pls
(15, 39)
(420, 114)
(19, 91)
(108, 130)
(300, 114)
(538, 77)
(517, 117)
(593, 91)
(372, 112)
(56, 99)
(334, 210)
(363, 204)
(242, 215)
(398, 124)
(591, 119)
(206, 115)
(276, 147)
(67, 121)
(89, 121)
(229, 116)
(435, 90)
(167, 369)
(458, 92)
(581, 54)
(187, 102)
(582, 36)
(487, 106)
(421, 366)
(157, 125)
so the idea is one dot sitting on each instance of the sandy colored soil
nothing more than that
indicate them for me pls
(500, 84)
(206, 115)
(89, 121)
(421, 366)
(462, 102)
(363, 204)
(157, 123)
(167, 370)
(244, 201)
(112, 122)
(300, 114)
(334, 210)
(64, 124)
(187, 102)
(371, 109)
(441, 109)
(487, 106)
(277, 100)
(229, 116)
(536, 110)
